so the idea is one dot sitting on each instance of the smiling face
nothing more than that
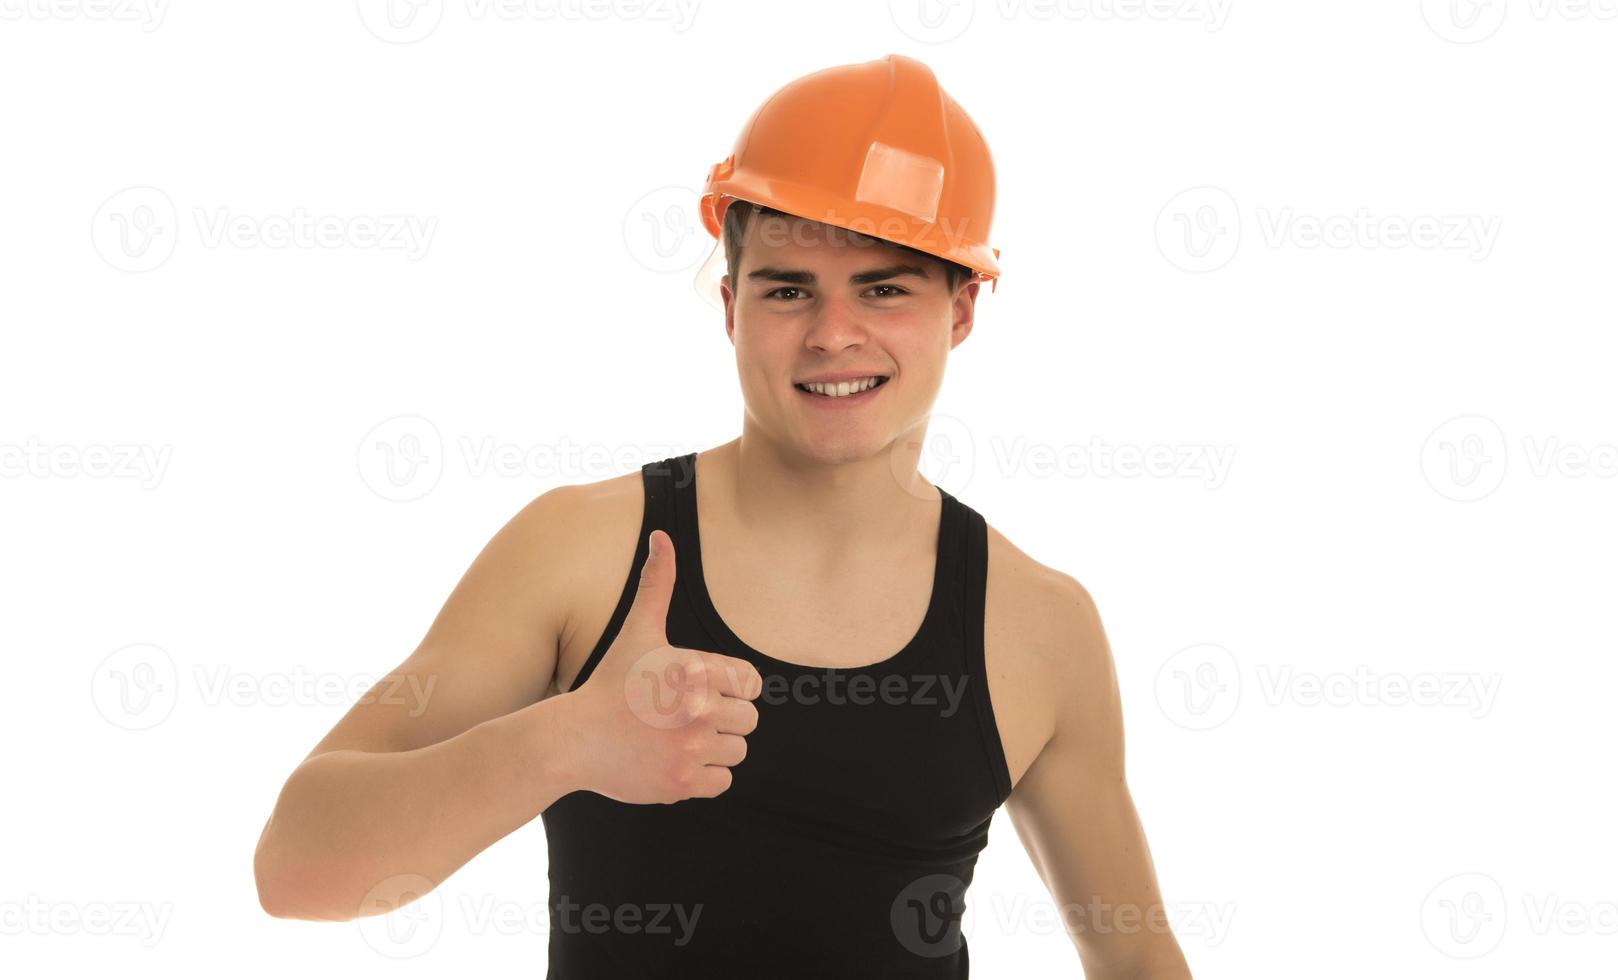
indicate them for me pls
(816, 313)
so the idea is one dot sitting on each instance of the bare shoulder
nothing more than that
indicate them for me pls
(497, 643)
(1042, 610)
(578, 509)
(597, 527)
(1043, 645)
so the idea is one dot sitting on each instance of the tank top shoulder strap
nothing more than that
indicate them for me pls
(974, 572)
(659, 480)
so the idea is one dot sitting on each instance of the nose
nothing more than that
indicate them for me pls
(835, 326)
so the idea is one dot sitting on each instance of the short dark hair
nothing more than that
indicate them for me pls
(740, 213)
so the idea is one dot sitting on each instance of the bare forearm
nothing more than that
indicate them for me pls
(357, 833)
(1163, 961)
(1169, 969)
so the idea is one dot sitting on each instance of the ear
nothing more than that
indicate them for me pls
(730, 307)
(962, 312)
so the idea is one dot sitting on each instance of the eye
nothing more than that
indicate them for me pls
(897, 291)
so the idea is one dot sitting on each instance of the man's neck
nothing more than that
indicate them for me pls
(787, 499)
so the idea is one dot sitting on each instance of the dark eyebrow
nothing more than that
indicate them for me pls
(802, 277)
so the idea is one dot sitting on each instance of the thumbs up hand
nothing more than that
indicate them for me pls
(656, 723)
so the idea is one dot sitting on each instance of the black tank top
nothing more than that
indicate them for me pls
(846, 841)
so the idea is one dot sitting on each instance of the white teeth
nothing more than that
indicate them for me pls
(840, 389)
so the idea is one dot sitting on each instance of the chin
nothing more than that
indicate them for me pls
(836, 449)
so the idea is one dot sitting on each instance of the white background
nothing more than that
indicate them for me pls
(1349, 267)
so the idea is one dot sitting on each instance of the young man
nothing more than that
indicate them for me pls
(767, 715)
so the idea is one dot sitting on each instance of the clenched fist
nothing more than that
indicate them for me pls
(655, 723)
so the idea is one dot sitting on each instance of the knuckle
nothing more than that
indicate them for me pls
(716, 672)
(742, 672)
(687, 712)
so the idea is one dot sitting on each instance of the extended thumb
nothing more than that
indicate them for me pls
(649, 614)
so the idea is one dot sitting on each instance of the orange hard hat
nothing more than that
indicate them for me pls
(878, 148)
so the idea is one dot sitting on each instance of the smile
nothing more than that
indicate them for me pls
(841, 389)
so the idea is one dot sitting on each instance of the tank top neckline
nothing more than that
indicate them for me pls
(688, 561)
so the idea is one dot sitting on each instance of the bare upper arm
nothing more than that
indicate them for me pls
(1066, 808)
(492, 647)
(1078, 678)
(1074, 813)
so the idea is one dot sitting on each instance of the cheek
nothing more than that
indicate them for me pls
(920, 347)
(761, 355)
